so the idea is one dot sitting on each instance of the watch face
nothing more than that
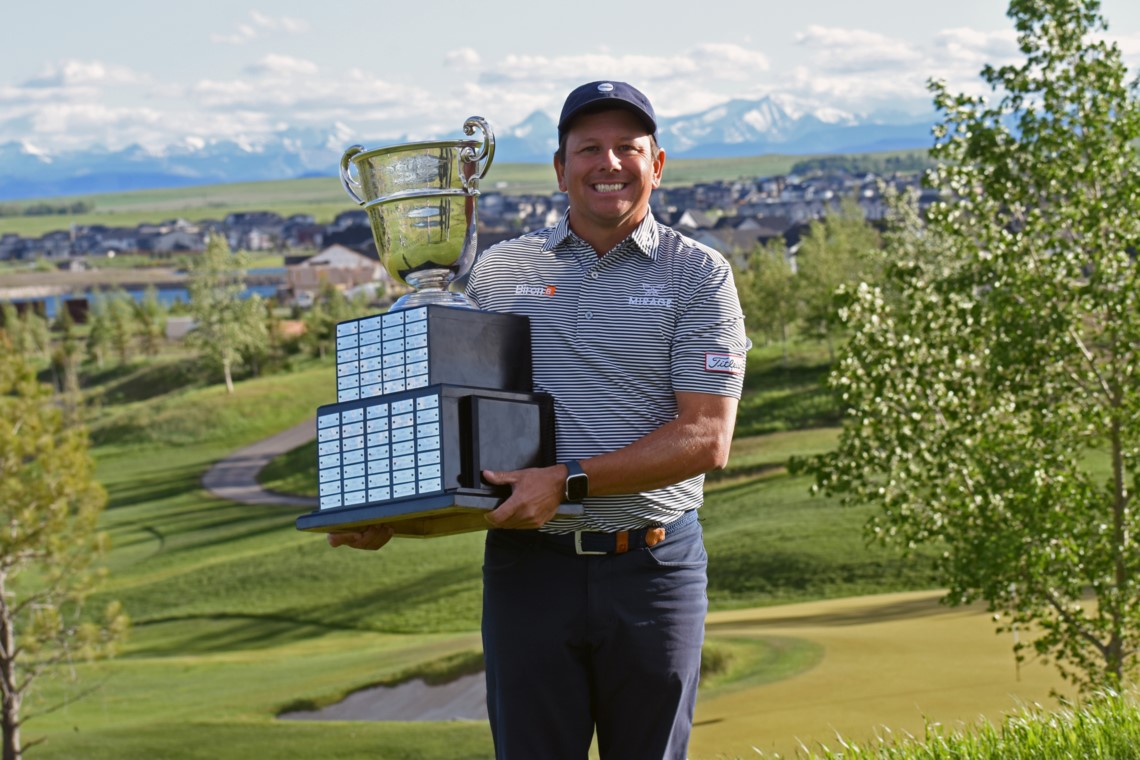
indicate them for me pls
(576, 487)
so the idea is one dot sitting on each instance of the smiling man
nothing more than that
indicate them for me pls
(595, 623)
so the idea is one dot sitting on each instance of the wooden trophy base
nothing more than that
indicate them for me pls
(424, 517)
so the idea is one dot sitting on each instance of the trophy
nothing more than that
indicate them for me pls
(434, 391)
(421, 203)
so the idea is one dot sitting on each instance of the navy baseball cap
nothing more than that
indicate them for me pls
(600, 96)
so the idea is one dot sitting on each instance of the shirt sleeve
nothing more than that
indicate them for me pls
(709, 345)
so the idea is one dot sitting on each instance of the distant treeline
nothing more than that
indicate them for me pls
(903, 162)
(47, 209)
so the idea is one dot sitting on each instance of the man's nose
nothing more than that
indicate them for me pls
(612, 160)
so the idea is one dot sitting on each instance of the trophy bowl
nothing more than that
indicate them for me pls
(421, 200)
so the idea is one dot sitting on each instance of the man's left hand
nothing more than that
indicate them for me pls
(535, 495)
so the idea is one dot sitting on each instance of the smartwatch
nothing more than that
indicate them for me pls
(577, 482)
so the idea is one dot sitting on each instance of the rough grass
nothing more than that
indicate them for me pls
(1107, 727)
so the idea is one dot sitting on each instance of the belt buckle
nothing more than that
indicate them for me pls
(578, 544)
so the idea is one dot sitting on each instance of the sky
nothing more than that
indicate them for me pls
(75, 73)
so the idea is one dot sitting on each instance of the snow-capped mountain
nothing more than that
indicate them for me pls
(735, 128)
(752, 127)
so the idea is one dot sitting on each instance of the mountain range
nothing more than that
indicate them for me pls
(735, 128)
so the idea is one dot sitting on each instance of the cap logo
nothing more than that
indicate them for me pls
(605, 87)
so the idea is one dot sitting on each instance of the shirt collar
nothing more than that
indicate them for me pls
(645, 238)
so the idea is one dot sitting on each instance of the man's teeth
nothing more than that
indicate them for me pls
(609, 188)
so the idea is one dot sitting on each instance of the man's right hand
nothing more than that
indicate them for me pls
(369, 538)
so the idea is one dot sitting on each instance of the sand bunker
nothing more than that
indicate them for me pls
(462, 699)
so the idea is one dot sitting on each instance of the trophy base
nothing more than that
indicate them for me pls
(414, 460)
(424, 517)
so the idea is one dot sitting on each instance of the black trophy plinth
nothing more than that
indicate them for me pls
(414, 348)
(427, 399)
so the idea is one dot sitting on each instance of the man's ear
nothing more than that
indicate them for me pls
(658, 167)
(560, 172)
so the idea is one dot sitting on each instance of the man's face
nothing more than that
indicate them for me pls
(609, 172)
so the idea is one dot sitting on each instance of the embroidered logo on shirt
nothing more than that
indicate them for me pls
(654, 296)
(730, 364)
(534, 290)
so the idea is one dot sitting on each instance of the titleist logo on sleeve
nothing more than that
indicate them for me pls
(727, 363)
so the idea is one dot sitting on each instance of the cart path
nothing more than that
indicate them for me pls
(235, 477)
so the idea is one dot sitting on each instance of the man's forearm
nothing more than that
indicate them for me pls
(696, 442)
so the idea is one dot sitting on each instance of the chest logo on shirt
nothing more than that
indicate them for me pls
(535, 290)
(730, 364)
(653, 295)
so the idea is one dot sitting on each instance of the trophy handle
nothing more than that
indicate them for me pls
(351, 186)
(468, 155)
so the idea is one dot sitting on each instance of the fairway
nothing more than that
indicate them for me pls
(890, 661)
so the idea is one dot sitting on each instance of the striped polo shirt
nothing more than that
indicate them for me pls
(613, 338)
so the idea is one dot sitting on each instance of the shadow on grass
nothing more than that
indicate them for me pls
(140, 382)
(906, 609)
(415, 593)
(229, 632)
(746, 475)
(796, 409)
(157, 485)
(786, 397)
(775, 575)
(341, 609)
(768, 376)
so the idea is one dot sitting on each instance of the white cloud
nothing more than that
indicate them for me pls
(261, 23)
(70, 125)
(244, 34)
(282, 66)
(73, 73)
(693, 77)
(856, 50)
(856, 93)
(463, 58)
(283, 23)
(834, 71)
(730, 61)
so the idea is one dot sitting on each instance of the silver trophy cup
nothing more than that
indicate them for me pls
(421, 201)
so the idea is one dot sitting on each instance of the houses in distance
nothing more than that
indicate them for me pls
(731, 216)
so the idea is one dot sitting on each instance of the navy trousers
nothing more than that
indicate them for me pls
(607, 642)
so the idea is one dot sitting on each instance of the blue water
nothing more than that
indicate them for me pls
(167, 296)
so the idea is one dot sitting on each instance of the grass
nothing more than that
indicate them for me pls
(237, 615)
(1107, 727)
(730, 664)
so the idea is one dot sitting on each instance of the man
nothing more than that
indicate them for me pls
(596, 622)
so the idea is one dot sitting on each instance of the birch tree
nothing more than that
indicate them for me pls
(991, 383)
(226, 325)
(49, 545)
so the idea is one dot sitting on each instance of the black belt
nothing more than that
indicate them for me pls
(618, 542)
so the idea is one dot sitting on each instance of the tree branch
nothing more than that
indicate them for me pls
(1073, 623)
(1108, 394)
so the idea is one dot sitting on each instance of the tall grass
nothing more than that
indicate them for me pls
(1105, 728)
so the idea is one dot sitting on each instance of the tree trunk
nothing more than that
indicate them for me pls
(229, 375)
(1122, 546)
(784, 342)
(10, 717)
